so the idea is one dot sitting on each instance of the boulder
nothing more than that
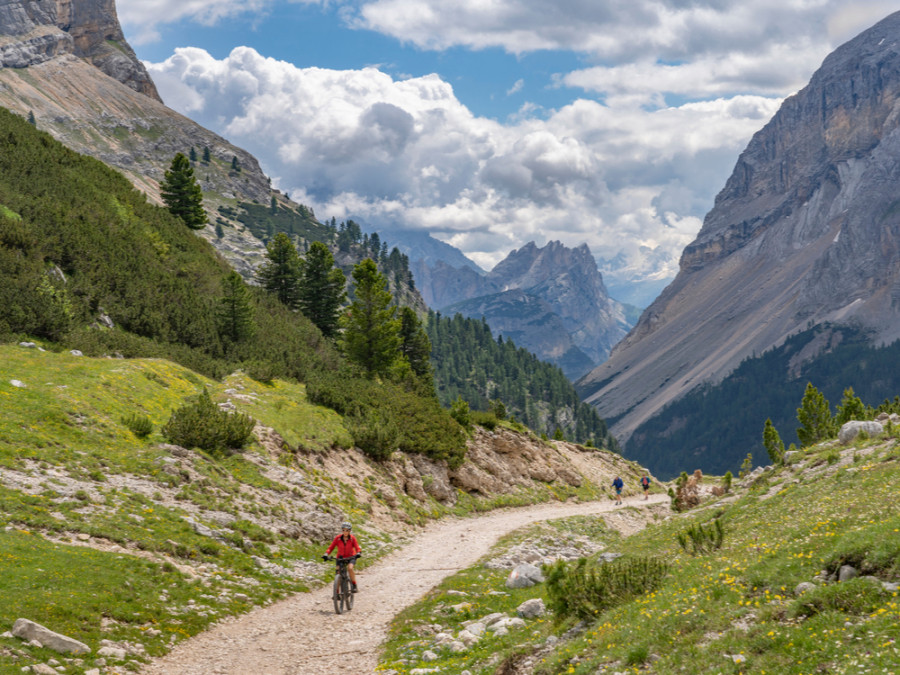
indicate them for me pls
(847, 572)
(524, 575)
(29, 630)
(531, 609)
(850, 430)
(803, 587)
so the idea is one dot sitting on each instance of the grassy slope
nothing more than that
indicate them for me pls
(732, 611)
(72, 474)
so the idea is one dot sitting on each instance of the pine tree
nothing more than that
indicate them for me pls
(182, 194)
(235, 164)
(371, 332)
(280, 275)
(414, 344)
(851, 408)
(235, 311)
(31, 118)
(193, 154)
(206, 155)
(814, 415)
(773, 443)
(321, 289)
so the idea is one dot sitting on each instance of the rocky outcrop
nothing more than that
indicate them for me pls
(806, 231)
(35, 31)
(549, 300)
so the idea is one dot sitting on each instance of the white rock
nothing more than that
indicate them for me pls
(29, 630)
(852, 429)
(113, 653)
(476, 628)
(429, 656)
(17, 383)
(44, 669)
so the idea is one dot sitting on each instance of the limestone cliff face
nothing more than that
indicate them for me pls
(35, 31)
(805, 231)
(550, 300)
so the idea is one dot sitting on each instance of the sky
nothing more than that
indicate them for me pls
(492, 123)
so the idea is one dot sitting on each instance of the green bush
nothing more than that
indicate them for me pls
(488, 420)
(375, 434)
(140, 425)
(200, 423)
(459, 410)
(584, 589)
(699, 539)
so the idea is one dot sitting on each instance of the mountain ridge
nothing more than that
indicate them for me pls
(804, 232)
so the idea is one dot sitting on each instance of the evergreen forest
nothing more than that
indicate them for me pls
(470, 364)
(715, 428)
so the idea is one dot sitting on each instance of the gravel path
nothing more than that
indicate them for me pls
(303, 636)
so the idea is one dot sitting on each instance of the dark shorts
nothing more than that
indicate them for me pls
(618, 491)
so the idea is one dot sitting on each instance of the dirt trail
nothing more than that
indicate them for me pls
(303, 636)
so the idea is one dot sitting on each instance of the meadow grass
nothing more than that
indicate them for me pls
(733, 610)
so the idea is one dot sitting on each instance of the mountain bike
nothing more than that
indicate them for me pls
(341, 595)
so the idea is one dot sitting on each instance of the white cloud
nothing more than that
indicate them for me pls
(360, 144)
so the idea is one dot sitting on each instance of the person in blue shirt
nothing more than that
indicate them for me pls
(618, 485)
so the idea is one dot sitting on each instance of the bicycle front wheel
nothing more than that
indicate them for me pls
(346, 595)
(336, 595)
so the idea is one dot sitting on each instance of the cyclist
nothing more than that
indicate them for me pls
(346, 546)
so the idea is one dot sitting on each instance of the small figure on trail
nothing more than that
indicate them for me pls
(346, 546)
(645, 483)
(618, 485)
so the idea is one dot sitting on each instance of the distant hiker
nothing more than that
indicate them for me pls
(645, 483)
(346, 546)
(618, 485)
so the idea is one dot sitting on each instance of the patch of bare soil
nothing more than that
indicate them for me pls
(302, 635)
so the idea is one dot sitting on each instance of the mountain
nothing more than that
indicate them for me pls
(68, 65)
(424, 250)
(806, 232)
(550, 300)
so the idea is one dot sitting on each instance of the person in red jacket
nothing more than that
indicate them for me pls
(346, 546)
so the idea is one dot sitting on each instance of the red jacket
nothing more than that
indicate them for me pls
(344, 548)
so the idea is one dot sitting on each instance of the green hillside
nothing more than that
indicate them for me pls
(731, 610)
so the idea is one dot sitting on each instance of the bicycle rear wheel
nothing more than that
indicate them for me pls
(336, 595)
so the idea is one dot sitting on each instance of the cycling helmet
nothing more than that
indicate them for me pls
(346, 526)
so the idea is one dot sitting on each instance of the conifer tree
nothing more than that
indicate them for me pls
(321, 289)
(182, 194)
(193, 154)
(371, 336)
(235, 164)
(235, 311)
(814, 415)
(280, 275)
(851, 408)
(414, 343)
(206, 155)
(773, 443)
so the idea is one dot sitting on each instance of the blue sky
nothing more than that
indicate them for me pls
(492, 124)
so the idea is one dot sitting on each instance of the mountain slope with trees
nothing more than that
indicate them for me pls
(493, 375)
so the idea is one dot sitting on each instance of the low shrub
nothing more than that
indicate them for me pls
(858, 596)
(140, 425)
(699, 539)
(200, 423)
(488, 420)
(375, 434)
(584, 589)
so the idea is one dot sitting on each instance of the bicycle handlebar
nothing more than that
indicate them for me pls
(339, 559)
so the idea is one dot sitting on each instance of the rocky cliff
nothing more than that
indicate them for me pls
(549, 300)
(806, 231)
(36, 31)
